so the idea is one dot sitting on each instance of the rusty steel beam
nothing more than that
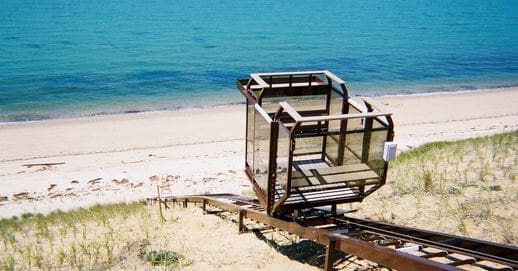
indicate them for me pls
(384, 256)
(319, 230)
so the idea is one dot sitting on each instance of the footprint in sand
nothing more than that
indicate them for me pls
(43, 168)
(137, 185)
(170, 178)
(53, 196)
(123, 181)
(52, 185)
(21, 195)
(94, 181)
(208, 179)
(165, 185)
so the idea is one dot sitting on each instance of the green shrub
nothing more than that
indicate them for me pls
(160, 257)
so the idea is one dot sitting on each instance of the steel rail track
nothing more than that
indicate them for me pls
(481, 249)
(392, 246)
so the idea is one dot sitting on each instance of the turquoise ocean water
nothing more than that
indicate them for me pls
(68, 58)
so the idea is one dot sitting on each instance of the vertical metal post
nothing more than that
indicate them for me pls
(204, 206)
(367, 136)
(240, 226)
(390, 137)
(272, 165)
(343, 126)
(326, 123)
(185, 203)
(366, 146)
(247, 136)
(341, 138)
(330, 254)
(367, 140)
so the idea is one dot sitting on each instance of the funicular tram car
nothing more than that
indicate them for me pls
(308, 144)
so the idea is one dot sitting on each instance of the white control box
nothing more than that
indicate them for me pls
(389, 151)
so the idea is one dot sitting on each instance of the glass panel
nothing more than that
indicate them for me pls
(337, 88)
(261, 151)
(307, 155)
(283, 148)
(336, 103)
(353, 149)
(380, 122)
(332, 139)
(270, 105)
(375, 160)
(332, 148)
(354, 139)
(308, 145)
(312, 103)
(307, 105)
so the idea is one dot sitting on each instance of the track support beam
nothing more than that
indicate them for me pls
(318, 230)
(330, 254)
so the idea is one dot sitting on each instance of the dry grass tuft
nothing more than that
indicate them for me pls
(133, 237)
(96, 238)
(467, 187)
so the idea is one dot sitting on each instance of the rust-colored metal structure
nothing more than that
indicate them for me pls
(391, 246)
(309, 144)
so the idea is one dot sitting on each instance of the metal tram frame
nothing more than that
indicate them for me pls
(309, 144)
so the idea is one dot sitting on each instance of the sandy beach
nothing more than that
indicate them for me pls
(70, 163)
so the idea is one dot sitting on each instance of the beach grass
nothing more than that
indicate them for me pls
(97, 238)
(467, 187)
(451, 167)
